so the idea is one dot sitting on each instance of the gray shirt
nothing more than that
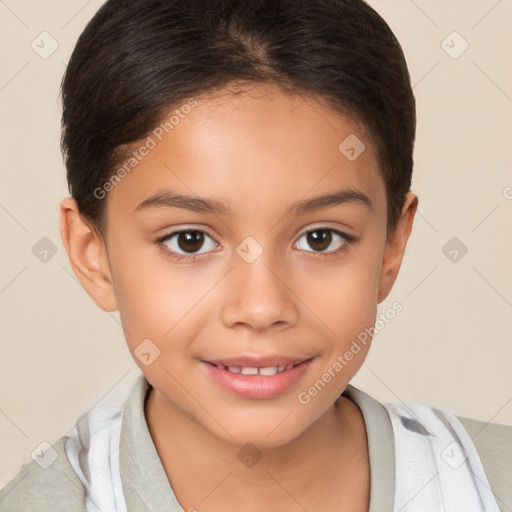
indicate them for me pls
(146, 487)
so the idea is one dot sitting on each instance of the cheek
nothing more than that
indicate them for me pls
(157, 300)
(143, 291)
(343, 296)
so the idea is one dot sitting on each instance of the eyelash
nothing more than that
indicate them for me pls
(349, 239)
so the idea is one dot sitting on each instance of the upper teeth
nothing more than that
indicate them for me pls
(253, 370)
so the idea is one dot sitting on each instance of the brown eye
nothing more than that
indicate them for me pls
(188, 242)
(323, 240)
(319, 239)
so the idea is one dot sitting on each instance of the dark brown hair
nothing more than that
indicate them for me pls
(138, 59)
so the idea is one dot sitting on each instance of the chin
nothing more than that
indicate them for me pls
(264, 431)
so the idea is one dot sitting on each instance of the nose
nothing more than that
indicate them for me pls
(258, 296)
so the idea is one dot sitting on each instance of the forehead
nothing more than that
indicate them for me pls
(255, 148)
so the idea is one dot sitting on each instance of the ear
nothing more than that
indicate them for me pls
(395, 247)
(88, 255)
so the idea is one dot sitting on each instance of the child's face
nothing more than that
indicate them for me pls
(258, 155)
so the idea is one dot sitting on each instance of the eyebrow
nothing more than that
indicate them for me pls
(168, 199)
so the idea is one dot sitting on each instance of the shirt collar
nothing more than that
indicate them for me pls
(144, 481)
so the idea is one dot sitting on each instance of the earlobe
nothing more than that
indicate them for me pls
(88, 255)
(395, 247)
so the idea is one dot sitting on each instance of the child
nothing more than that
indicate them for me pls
(240, 176)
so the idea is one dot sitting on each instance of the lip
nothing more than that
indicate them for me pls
(256, 386)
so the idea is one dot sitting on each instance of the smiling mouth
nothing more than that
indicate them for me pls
(266, 371)
(257, 377)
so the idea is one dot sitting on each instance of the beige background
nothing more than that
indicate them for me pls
(451, 344)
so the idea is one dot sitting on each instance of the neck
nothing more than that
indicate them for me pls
(208, 473)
